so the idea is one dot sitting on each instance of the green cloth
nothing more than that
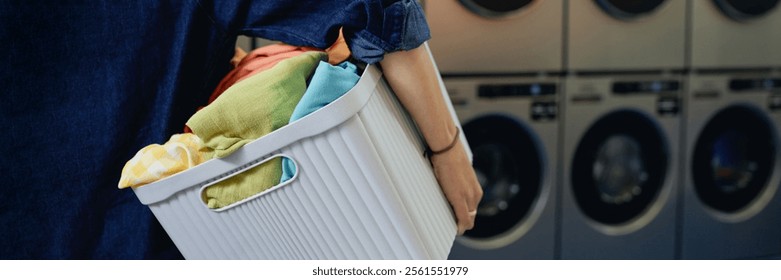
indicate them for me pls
(246, 111)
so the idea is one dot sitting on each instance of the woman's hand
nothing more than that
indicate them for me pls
(459, 183)
(413, 78)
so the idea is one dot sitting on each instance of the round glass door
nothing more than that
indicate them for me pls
(619, 167)
(733, 159)
(495, 8)
(508, 164)
(745, 9)
(628, 9)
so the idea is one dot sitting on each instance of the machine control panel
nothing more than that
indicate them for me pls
(741, 85)
(644, 87)
(510, 90)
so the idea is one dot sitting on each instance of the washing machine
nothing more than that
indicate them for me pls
(618, 35)
(620, 167)
(735, 33)
(511, 124)
(731, 203)
(492, 36)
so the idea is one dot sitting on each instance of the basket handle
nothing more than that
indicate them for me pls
(243, 169)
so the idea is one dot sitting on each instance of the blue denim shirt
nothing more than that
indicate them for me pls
(371, 28)
(86, 84)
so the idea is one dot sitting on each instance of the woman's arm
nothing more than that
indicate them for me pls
(412, 76)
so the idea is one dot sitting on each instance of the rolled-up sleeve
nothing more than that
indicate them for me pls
(371, 27)
(398, 26)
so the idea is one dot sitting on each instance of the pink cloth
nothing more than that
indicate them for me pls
(257, 61)
(261, 59)
(254, 62)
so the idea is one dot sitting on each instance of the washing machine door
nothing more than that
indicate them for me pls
(629, 9)
(495, 8)
(745, 9)
(733, 158)
(509, 165)
(619, 167)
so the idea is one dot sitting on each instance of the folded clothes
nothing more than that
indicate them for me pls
(261, 59)
(256, 106)
(257, 61)
(155, 162)
(246, 111)
(328, 83)
(267, 89)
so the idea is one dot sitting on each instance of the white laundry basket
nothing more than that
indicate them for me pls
(362, 190)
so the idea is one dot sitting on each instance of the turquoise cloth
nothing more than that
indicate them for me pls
(328, 83)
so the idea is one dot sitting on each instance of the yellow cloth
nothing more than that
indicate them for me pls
(155, 162)
(246, 111)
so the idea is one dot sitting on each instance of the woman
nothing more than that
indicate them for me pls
(88, 83)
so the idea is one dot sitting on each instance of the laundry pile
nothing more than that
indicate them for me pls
(268, 88)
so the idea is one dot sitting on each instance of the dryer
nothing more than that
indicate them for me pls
(491, 36)
(617, 35)
(620, 167)
(731, 204)
(735, 33)
(511, 126)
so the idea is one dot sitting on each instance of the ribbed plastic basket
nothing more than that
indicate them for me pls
(362, 190)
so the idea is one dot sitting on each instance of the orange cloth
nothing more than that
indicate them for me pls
(338, 52)
(238, 55)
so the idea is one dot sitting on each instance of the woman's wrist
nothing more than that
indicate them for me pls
(432, 151)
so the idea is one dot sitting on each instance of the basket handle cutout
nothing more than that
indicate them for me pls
(249, 182)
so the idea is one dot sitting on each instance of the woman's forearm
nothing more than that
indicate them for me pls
(414, 79)
(412, 76)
